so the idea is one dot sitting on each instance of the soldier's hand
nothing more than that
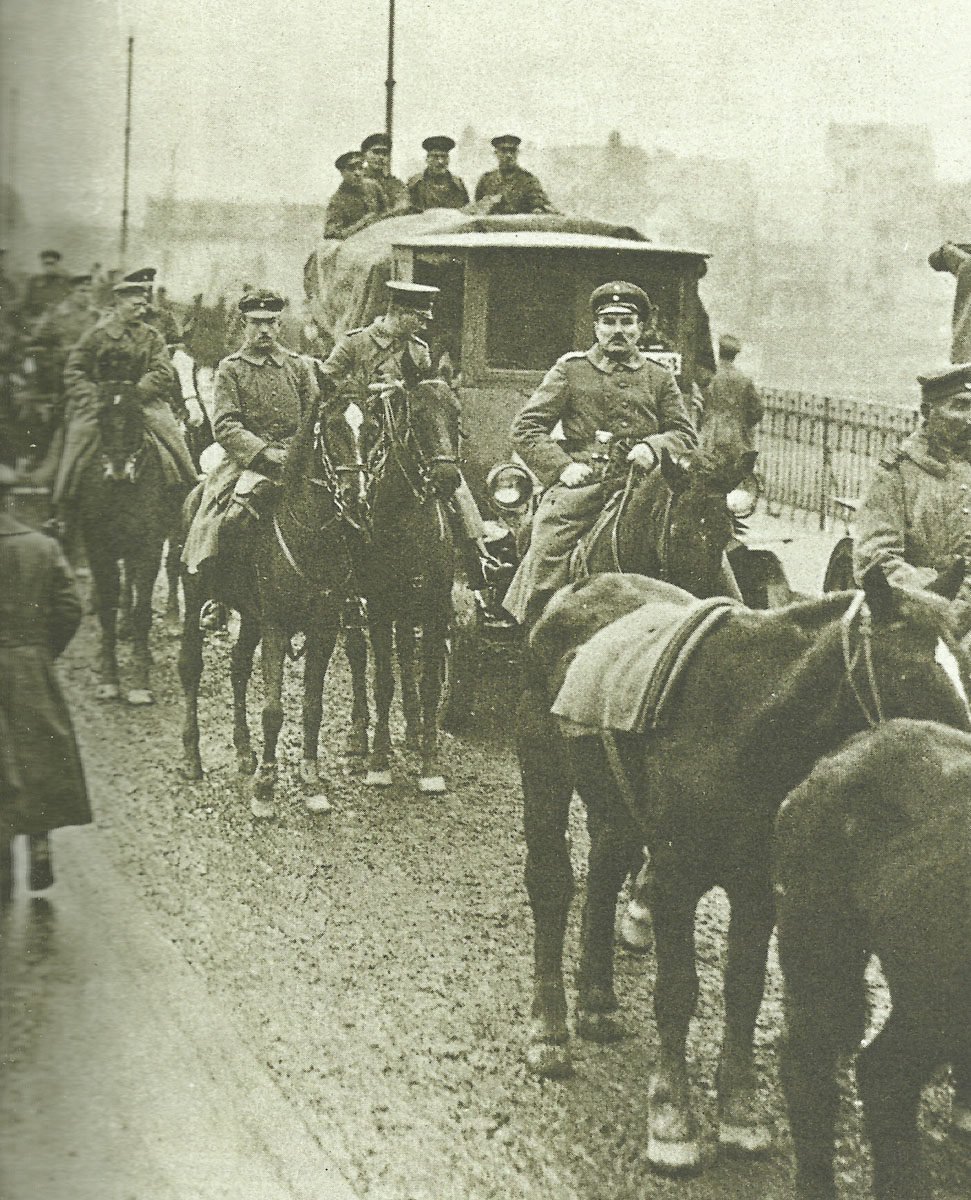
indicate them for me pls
(194, 414)
(643, 455)
(274, 458)
(576, 474)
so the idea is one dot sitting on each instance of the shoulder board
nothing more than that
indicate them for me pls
(573, 354)
(234, 357)
(292, 353)
(418, 342)
(893, 458)
(359, 329)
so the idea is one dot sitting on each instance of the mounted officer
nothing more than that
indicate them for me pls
(436, 186)
(121, 352)
(514, 189)
(358, 201)
(613, 388)
(63, 326)
(367, 359)
(261, 394)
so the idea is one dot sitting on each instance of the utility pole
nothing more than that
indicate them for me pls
(124, 185)
(9, 214)
(389, 82)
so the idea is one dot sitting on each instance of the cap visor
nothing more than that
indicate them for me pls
(625, 309)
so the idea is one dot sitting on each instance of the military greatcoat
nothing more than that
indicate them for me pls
(370, 355)
(437, 191)
(915, 517)
(39, 613)
(518, 190)
(635, 400)
(351, 209)
(732, 397)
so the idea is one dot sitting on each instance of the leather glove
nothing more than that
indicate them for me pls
(576, 474)
(273, 459)
(643, 455)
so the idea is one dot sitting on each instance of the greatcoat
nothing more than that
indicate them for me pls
(437, 191)
(517, 191)
(40, 611)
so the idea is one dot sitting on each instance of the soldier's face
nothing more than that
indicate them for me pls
(949, 423)
(378, 159)
(83, 293)
(408, 322)
(261, 332)
(437, 162)
(48, 265)
(618, 333)
(353, 175)
(132, 306)
(506, 156)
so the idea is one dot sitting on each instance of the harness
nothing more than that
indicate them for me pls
(610, 519)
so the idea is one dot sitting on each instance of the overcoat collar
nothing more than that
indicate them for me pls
(633, 362)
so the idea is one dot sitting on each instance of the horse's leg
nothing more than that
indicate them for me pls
(355, 649)
(672, 1138)
(320, 641)
(173, 571)
(6, 864)
(104, 572)
(741, 1127)
(273, 654)
(240, 670)
(190, 673)
(890, 1073)
(41, 864)
(547, 789)
(379, 773)
(141, 569)
(411, 706)
(635, 933)
(125, 603)
(433, 641)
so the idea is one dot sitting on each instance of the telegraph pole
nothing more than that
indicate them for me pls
(389, 82)
(124, 186)
(13, 129)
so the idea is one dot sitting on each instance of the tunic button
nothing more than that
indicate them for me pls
(966, 511)
(963, 487)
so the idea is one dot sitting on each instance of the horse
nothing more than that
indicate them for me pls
(410, 442)
(290, 573)
(872, 855)
(762, 697)
(125, 506)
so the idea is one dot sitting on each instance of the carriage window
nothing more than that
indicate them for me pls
(530, 315)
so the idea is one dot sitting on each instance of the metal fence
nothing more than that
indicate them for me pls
(812, 448)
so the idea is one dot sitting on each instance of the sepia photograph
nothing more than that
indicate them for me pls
(485, 600)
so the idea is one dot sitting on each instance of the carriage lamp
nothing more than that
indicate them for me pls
(743, 499)
(509, 486)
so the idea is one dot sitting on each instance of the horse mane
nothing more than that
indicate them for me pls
(302, 445)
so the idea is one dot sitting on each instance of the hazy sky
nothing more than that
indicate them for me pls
(255, 98)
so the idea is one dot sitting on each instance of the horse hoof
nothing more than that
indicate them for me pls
(261, 808)
(549, 1060)
(192, 771)
(140, 697)
(245, 762)
(600, 1027)
(317, 804)
(431, 785)
(672, 1144)
(635, 933)
(378, 779)
(744, 1139)
(107, 691)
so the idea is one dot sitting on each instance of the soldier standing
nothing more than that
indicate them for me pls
(63, 326)
(376, 149)
(731, 397)
(956, 259)
(358, 201)
(515, 189)
(436, 186)
(45, 290)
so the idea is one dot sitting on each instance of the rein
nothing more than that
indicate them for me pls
(664, 551)
(872, 706)
(398, 443)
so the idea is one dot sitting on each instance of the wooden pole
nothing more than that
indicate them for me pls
(124, 186)
(389, 82)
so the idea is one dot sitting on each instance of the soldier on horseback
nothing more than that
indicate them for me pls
(120, 354)
(613, 389)
(261, 394)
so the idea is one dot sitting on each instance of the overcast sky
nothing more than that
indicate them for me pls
(255, 98)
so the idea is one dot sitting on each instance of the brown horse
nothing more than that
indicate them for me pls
(762, 698)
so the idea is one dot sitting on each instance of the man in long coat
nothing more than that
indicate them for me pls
(731, 397)
(436, 186)
(357, 203)
(260, 396)
(41, 779)
(612, 387)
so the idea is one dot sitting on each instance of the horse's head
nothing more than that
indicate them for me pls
(416, 428)
(326, 454)
(121, 424)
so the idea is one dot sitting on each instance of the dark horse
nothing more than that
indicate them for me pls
(126, 507)
(290, 573)
(410, 441)
(763, 697)
(873, 856)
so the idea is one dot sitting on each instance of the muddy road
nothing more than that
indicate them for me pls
(376, 960)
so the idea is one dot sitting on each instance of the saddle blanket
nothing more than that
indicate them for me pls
(622, 678)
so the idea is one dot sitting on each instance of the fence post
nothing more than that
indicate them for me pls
(827, 467)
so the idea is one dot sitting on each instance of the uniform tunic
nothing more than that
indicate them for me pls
(39, 613)
(733, 398)
(393, 191)
(350, 209)
(115, 352)
(437, 191)
(258, 402)
(915, 517)
(635, 400)
(519, 191)
(370, 355)
(62, 327)
(43, 292)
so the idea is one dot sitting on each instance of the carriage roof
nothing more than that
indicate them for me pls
(552, 240)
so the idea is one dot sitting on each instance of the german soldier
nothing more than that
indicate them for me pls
(261, 394)
(45, 290)
(956, 259)
(436, 186)
(731, 397)
(515, 190)
(62, 327)
(358, 201)
(612, 387)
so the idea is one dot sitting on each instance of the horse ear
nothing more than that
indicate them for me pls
(879, 594)
(948, 581)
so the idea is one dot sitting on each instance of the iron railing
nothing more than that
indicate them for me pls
(813, 448)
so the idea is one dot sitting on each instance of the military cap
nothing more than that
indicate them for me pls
(77, 280)
(618, 296)
(941, 385)
(348, 158)
(508, 140)
(262, 304)
(729, 346)
(445, 144)
(8, 477)
(54, 255)
(416, 296)
(376, 139)
(136, 281)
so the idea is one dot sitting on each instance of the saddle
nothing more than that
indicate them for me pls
(622, 678)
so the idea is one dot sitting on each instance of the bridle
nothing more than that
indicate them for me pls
(867, 697)
(398, 437)
(664, 549)
(134, 462)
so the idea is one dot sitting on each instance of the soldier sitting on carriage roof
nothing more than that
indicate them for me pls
(514, 189)
(436, 186)
(376, 149)
(612, 387)
(260, 395)
(365, 359)
(121, 352)
(358, 201)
